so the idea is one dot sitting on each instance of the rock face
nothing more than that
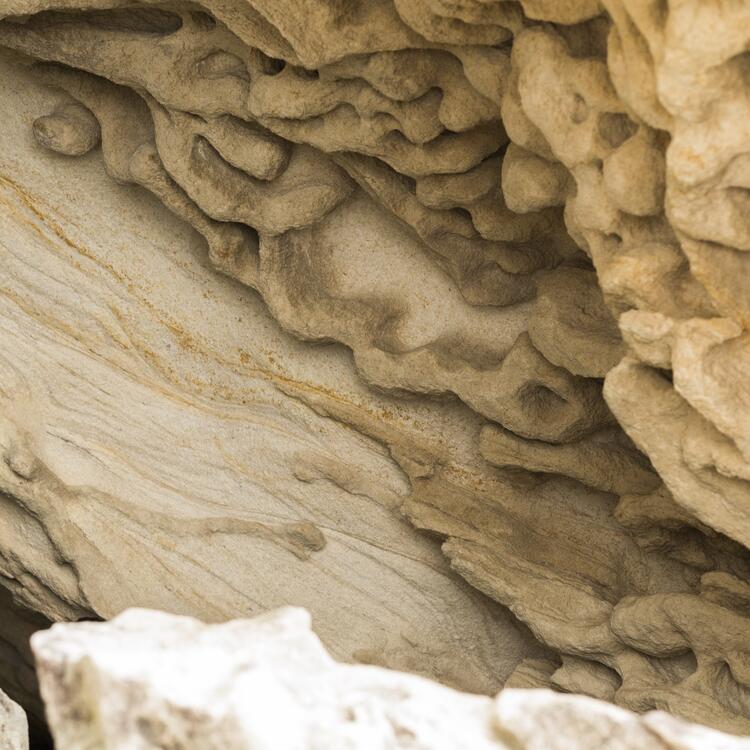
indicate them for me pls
(150, 680)
(17, 675)
(475, 268)
(14, 729)
(159, 449)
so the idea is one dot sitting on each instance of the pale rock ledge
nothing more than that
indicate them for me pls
(149, 680)
(14, 728)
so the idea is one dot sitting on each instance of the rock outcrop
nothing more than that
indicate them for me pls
(14, 730)
(150, 680)
(158, 447)
(517, 233)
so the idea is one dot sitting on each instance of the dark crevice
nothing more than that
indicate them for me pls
(17, 674)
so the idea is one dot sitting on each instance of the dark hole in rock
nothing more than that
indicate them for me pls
(615, 128)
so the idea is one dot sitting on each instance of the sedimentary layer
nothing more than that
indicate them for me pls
(471, 268)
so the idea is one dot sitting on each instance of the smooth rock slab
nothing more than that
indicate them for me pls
(152, 680)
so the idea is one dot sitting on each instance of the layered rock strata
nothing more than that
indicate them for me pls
(150, 680)
(157, 448)
(520, 232)
(14, 730)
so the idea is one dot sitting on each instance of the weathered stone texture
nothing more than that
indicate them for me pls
(519, 235)
(148, 680)
(14, 731)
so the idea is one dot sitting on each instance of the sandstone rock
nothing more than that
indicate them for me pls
(148, 679)
(71, 129)
(158, 367)
(14, 732)
(17, 673)
(543, 720)
(427, 232)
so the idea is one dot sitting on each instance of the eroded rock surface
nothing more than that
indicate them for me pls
(151, 680)
(17, 670)
(525, 223)
(158, 452)
(14, 730)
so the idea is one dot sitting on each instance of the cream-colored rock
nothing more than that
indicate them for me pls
(698, 464)
(14, 730)
(244, 685)
(17, 674)
(148, 679)
(460, 206)
(542, 720)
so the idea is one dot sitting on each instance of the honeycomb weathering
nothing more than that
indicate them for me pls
(528, 226)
